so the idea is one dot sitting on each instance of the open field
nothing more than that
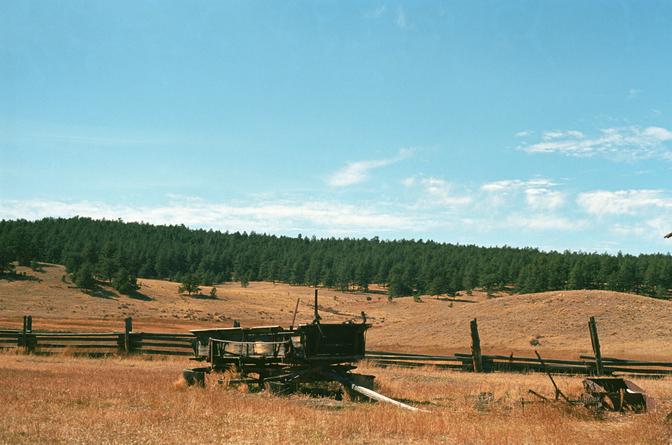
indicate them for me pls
(630, 326)
(61, 399)
(64, 399)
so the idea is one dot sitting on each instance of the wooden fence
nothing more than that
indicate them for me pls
(129, 341)
(476, 361)
(97, 343)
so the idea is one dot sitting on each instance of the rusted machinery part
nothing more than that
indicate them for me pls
(617, 394)
(195, 376)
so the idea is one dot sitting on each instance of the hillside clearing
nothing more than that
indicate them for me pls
(630, 325)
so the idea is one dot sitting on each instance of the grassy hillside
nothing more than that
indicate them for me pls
(629, 325)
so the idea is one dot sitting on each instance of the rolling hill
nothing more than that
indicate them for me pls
(629, 325)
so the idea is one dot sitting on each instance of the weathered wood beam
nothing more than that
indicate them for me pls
(477, 359)
(595, 341)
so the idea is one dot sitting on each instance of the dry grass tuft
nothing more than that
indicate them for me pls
(180, 384)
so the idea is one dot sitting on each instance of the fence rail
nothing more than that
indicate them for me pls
(476, 361)
(97, 343)
(183, 344)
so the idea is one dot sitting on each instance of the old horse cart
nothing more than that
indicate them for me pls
(315, 357)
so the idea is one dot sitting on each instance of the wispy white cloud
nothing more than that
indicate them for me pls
(622, 143)
(543, 222)
(556, 134)
(516, 184)
(623, 202)
(543, 198)
(409, 182)
(275, 217)
(355, 172)
(524, 133)
(539, 193)
(650, 229)
(440, 192)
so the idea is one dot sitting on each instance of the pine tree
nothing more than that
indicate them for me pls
(124, 282)
(245, 280)
(189, 285)
(84, 276)
(6, 265)
(397, 286)
(108, 262)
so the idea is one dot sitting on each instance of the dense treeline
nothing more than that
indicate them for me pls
(109, 250)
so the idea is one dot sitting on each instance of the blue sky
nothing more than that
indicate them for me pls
(544, 124)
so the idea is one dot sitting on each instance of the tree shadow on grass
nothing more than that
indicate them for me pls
(376, 292)
(454, 300)
(204, 297)
(13, 276)
(99, 292)
(139, 296)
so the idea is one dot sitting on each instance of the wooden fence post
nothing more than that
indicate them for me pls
(128, 327)
(23, 340)
(26, 339)
(476, 347)
(595, 341)
(30, 338)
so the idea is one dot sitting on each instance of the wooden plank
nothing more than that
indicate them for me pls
(166, 336)
(381, 398)
(529, 367)
(76, 334)
(403, 353)
(403, 364)
(142, 344)
(531, 359)
(155, 352)
(76, 346)
(73, 338)
(410, 357)
(595, 340)
(639, 370)
(620, 361)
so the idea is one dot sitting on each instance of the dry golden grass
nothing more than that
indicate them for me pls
(629, 325)
(70, 400)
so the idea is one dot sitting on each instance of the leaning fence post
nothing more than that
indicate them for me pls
(595, 341)
(476, 347)
(128, 327)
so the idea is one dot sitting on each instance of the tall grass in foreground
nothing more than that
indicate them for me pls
(62, 399)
